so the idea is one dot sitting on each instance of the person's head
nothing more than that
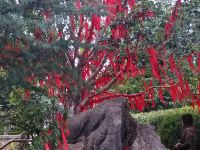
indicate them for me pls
(187, 120)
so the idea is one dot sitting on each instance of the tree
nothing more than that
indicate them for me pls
(76, 50)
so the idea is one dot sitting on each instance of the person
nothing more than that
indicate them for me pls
(188, 134)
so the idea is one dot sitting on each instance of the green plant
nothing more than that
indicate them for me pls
(168, 123)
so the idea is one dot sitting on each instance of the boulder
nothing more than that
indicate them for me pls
(147, 139)
(109, 126)
(77, 146)
(106, 127)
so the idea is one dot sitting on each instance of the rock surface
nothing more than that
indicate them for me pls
(77, 146)
(109, 126)
(147, 139)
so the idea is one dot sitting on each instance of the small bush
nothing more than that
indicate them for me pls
(168, 123)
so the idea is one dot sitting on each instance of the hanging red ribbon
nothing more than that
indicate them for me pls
(60, 33)
(131, 3)
(198, 103)
(96, 22)
(193, 100)
(27, 94)
(199, 89)
(64, 139)
(41, 82)
(60, 146)
(111, 5)
(46, 145)
(38, 33)
(58, 81)
(149, 13)
(154, 63)
(86, 30)
(170, 24)
(172, 91)
(51, 91)
(60, 120)
(139, 102)
(172, 64)
(160, 93)
(78, 4)
(108, 21)
(198, 62)
(187, 89)
(119, 32)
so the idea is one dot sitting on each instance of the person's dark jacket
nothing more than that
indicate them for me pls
(188, 139)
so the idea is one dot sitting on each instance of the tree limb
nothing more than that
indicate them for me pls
(98, 69)
(100, 91)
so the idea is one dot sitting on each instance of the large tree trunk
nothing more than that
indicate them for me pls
(73, 109)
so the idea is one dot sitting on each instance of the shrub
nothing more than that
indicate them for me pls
(168, 123)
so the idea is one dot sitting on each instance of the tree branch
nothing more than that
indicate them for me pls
(132, 95)
(100, 91)
(98, 69)
(70, 60)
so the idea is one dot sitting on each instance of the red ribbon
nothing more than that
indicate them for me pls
(161, 95)
(46, 145)
(198, 62)
(172, 63)
(96, 22)
(154, 63)
(131, 3)
(27, 94)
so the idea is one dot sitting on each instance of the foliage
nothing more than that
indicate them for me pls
(34, 118)
(168, 123)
